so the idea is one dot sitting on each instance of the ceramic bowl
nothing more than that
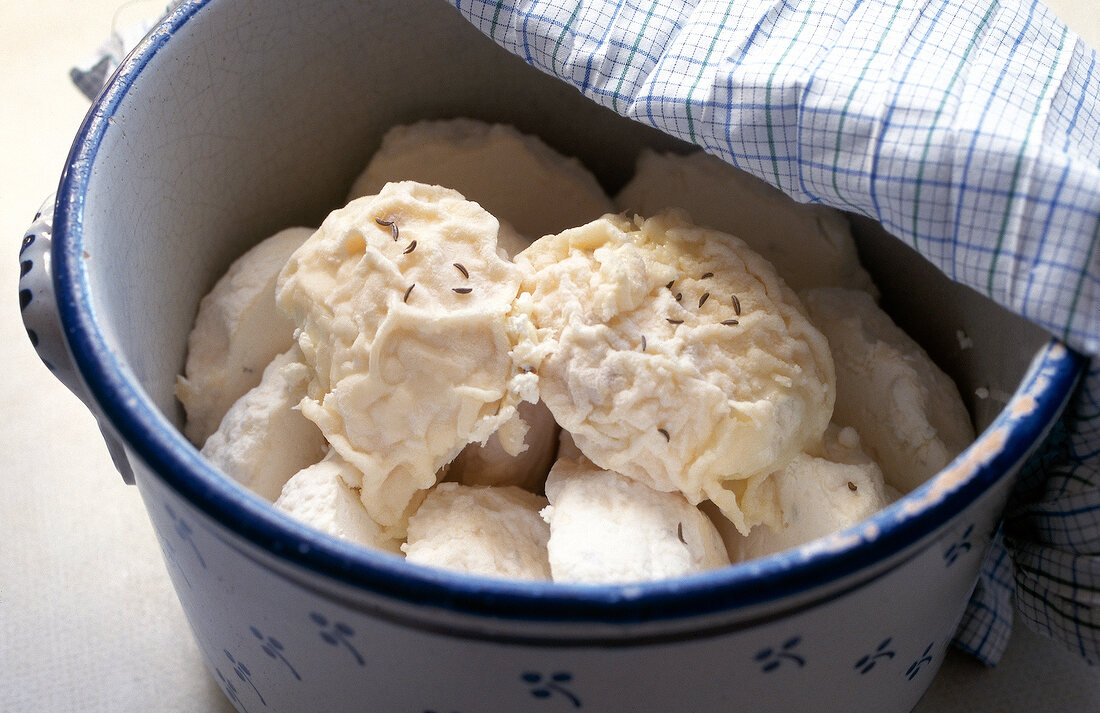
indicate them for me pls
(235, 119)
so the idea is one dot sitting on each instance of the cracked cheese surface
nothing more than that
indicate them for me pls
(810, 245)
(404, 324)
(674, 355)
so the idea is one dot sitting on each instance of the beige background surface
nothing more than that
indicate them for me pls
(88, 619)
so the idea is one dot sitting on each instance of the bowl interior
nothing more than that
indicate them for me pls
(259, 116)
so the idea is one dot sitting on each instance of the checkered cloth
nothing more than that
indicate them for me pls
(968, 128)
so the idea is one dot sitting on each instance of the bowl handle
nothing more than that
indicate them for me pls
(39, 310)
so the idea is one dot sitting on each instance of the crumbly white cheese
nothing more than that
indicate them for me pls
(908, 413)
(514, 176)
(816, 496)
(491, 531)
(325, 496)
(237, 332)
(263, 439)
(674, 355)
(401, 301)
(810, 245)
(608, 528)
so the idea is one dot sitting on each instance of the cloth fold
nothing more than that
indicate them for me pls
(970, 130)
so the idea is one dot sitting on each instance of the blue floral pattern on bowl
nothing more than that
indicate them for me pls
(882, 652)
(545, 686)
(771, 659)
(292, 651)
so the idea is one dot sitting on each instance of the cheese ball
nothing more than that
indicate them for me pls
(606, 528)
(264, 439)
(325, 496)
(401, 300)
(673, 354)
(237, 331)
(510, 174)
(514, 176)
(909, 414)
(816, 496)
(489, 531)
(809, 245)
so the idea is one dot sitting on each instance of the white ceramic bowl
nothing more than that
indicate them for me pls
(235, 119)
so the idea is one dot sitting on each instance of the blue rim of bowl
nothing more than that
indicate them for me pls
(151, 437)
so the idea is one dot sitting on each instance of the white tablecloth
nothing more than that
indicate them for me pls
(88, 619)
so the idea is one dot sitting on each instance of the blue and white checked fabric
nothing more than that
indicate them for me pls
(968, 128)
